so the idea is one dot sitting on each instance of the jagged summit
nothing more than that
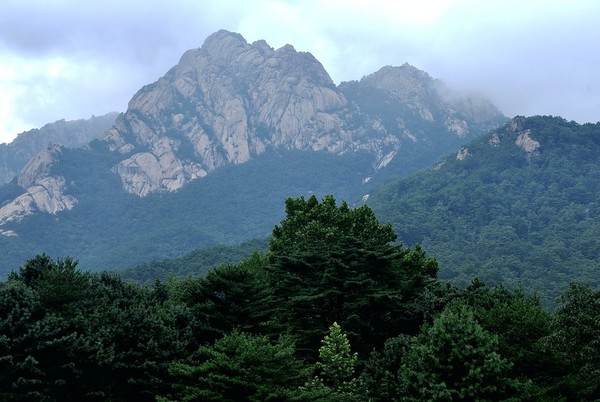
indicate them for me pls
(229, 101)
(401, 81)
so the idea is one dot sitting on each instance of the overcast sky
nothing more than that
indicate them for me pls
(71, 59)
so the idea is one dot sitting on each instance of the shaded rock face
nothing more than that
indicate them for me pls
(431, 100)
(72, 134)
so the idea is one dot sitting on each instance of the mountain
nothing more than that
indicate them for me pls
(208, 153)
(518, 205)
(15, 155)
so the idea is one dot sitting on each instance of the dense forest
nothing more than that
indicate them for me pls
(111, 229)
(504, 214)
(334, 310)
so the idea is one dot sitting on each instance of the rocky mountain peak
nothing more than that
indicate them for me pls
(224, 103)
(432, 100)
(230, 101)
(405, 81)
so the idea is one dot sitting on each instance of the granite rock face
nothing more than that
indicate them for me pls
(229, 101)
(44, 192)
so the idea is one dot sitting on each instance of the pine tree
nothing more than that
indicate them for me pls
(329, 263)
(456, 359)
(238, 367)
(336, 378)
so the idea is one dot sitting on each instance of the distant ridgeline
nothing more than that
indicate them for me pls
(72, 134)
(519, 205)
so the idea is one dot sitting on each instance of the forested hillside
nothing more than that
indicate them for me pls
(334, 311)
(199, 262)
(116, 230)
(517, 206)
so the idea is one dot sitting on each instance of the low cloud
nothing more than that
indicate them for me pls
(67, 59)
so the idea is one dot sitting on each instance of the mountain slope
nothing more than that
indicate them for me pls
(15, 155)
(224, 106)
(518, 205)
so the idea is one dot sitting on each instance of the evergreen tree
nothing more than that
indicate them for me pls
(575, 344)
(456, 359)
(336, 379)
(238, 367)
(380, 373)
(227, 298)
(329, 263)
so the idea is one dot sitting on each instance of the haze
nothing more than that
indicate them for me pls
(71, 59)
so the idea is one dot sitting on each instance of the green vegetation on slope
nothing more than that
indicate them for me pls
(376, 325)
(197, 263)
(110, 229)
(505, 215)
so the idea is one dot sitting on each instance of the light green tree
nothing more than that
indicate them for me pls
(336, 378)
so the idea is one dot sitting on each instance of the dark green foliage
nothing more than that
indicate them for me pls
(19, 372)
(336, 264)
(68, 335)
(520, 322)
(380, 375)
(110, 229)
(456, 359)
(238, 367)
(504, 215)
(198, 262)
(241, 331)
(575, 342)
(228, 298)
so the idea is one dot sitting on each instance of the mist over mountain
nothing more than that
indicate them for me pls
(15, 155)
(223, 106)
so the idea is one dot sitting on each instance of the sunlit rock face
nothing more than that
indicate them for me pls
(44, 191)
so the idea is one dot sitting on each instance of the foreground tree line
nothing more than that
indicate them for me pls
(334, 311)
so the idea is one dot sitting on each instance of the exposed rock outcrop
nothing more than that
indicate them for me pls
(71, 134)
(229, 101)
(525, 141)
(44, 192)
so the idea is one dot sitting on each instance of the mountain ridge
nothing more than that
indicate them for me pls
(74, 133)
(230, 102)
(516, 206)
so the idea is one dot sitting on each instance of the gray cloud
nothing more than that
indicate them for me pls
(68, 59)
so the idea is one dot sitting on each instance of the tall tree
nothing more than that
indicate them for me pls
(337, 264)
(227, 298)
(335, 378)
